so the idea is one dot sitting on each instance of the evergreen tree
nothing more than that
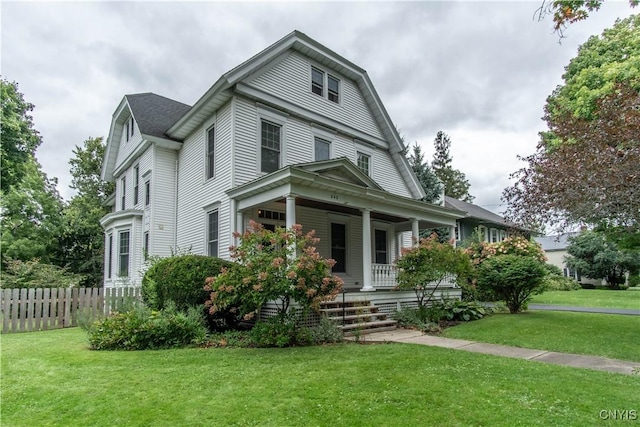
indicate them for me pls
(429, 181)
(455, 183)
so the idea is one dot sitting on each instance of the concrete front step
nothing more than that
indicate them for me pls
(350, 334)
(350, 317)
(351, 309)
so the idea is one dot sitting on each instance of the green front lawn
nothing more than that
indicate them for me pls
(50, 378)
(591, 298)
(606, 335)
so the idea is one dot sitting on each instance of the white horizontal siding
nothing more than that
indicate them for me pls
(163, 193)
(291, 79)
(127, 147)
(245, 141)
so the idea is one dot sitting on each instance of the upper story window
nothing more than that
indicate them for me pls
(123, 189)
(147, 193)
(129, 128)
(322, 149)
(211, 152)
(270, 146)
(321, 80)
(364, 162)
(136, 184)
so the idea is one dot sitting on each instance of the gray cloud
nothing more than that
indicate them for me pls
(478, 70)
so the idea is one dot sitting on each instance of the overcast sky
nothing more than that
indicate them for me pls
(480, 71)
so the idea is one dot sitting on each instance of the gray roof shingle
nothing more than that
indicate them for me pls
(475, 211)
(154, 114)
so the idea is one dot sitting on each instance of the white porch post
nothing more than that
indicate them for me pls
(452, 235)
(399, 243)
(291, 210)
(415, 231)
(239, 225)
(291, 220)
(366, 251)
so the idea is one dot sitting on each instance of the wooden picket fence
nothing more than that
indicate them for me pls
(38, 309)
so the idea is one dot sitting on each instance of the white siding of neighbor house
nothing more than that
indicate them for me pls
(162, 224)
(290, 79)
(196, 194)
(127, 147)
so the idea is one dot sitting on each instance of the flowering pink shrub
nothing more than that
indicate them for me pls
(281, 266)
(514, 245)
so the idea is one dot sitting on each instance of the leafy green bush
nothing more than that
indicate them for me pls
(34, 274)
(230, 339)
(280, 331)
(462, 311)
(512, 278)
(634, 280)
(416, 319)
(141, 328)
(557, 282)
(326, 332)
(180, 279)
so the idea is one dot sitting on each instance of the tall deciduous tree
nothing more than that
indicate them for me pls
(567, 12)
(585, 169)
(19, 138)
(82, 238)
(430, 183)
(455, 182)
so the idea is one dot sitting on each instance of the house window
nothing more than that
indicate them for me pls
(136, 184)
(212, 233)
(278, 216)
(270, 147)
(127, 134)
(333, 86)
(317, 81)
(147, 193)
(322, 149)
(457, 232)
(132, 127)
(210, 152)
(145, 246)
(482, 230)
(123, 187)
(123, 267)
(364, 162)
(109, 257)
(380, 243)
(494, 235)
(339, 247)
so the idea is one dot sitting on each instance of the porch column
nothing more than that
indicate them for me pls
(366, 251)
(415, 232)
(452, 235)
(239, 225)
(291, 219)
(291, 210)
(399, 243)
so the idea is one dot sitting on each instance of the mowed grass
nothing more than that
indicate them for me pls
(591, 298)
(606, 335)
(52, 379)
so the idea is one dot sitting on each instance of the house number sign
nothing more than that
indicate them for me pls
(335, 196)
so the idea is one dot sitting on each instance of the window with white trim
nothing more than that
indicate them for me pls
(321, 80)
(270, 146)
(110, 257)
(494, 235)
(123, 254)
(210, 152)
(136, 184)
(483, 233)
(322, 149)
(364, 162)
(339, 247)
(132, 126)
(123, 189)
(380, 246)
(147, 193)
(212, 233)
(145, 245)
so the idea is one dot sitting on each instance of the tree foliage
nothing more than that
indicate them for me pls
(19, 138)
(455, 182)
(595, 256)
(82, 237)
(423, 268)
(567, 12)
(585, 168)
(428, 180)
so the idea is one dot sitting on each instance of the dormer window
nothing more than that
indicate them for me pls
(129, 128)
(321, 80)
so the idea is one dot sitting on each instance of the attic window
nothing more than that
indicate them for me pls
(320, 80)
(129, 128)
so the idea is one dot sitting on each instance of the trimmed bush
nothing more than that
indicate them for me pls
(180, 279)
(143, 329)
(326, 332)
(557, 282)
(512, 278)
(280, 331)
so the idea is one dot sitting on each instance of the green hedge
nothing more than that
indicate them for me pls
(180, 279)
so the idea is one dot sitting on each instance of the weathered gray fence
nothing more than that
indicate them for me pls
(37, 309)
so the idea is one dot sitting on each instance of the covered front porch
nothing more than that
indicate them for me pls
(361, 226)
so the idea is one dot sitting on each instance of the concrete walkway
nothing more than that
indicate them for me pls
(575, 360)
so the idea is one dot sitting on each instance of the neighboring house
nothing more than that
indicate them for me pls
(492, 227)
(296, 134)
(555, 248)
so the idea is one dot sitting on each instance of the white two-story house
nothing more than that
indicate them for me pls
(295, 135)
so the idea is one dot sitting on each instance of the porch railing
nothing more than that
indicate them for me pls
(383, 275)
